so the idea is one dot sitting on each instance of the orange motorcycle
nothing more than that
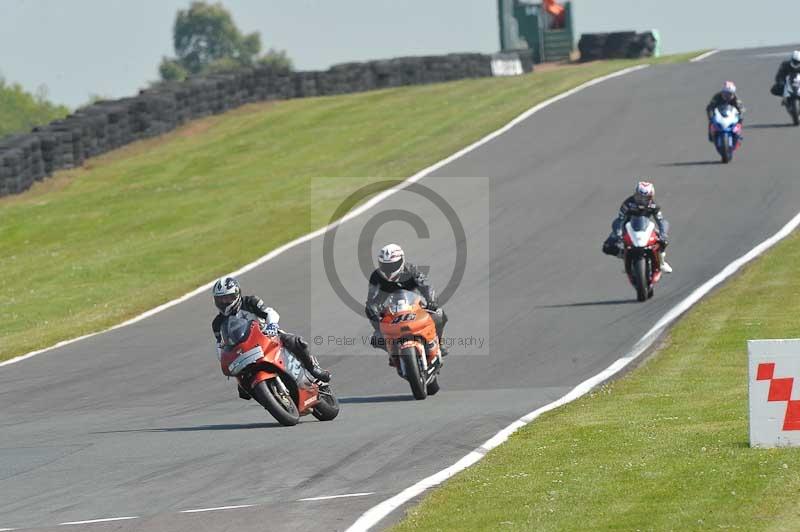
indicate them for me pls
(271, 374)
(412, 342)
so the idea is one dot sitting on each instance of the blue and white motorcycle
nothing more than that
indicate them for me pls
(726, 131)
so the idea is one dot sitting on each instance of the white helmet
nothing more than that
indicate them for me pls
(390, 261)
(644, 193)
(227, 295)
(728, 90)
(795, 60)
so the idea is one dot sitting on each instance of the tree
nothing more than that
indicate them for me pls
(206, 33)
(207, 40)
(172, 70)
(277, 60)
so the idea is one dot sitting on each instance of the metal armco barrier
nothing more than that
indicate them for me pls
(106, 125)
(774, 392)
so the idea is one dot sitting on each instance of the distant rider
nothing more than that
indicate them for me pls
(642, 203)
(229, 301)
(726, 96)
(393, 274)
(787, 68)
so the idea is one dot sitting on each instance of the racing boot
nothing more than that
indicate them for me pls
(665, 267)
(243, 393)
(299, 348)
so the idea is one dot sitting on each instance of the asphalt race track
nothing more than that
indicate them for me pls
(139, 422)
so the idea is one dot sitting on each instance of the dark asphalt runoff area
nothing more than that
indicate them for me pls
(140, 422)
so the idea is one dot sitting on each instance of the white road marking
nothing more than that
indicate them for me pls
(198, 510)
(106, 520)
(703, 56)
(6, 529)
(328, 497)
(375, 514)
(352, 214)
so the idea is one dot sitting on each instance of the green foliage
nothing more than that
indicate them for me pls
(278, 60)
(172, 70)
(20, 110)
(207, 40)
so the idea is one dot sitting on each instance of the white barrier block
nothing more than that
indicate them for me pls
(774, 393)
(505, 66)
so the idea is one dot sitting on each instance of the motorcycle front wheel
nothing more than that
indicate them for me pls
(270, 395)
(727, 149)
(328, 407)
(416, 379)
(640, 278)
(794, 111)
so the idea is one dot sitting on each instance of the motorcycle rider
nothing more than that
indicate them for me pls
(787, 68)
(641, 203)
(726, 96)
(228, 300)
(393, 274)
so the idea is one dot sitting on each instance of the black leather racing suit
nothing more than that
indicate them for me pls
(294, 343)
(410, 278)
(784, 70)
(628, 209)
(718, 100)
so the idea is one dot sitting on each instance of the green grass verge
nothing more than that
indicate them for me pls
(665, 448)
(147, 223)
(20, 110)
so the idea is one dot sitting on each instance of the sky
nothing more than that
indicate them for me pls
(111, 48)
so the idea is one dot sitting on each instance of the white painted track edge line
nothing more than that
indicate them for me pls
(106, 520)
(200, 510)
(375, 514)
(329, 497)
(352, 214)
(705, 55)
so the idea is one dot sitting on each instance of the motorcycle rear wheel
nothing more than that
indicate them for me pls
(414, 376)
(640, 278)
(283, 409)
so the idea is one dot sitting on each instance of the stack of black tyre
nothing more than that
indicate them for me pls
(617, 45)
(106, 125)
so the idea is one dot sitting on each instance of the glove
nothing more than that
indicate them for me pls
(432, 306)
(664, 243)
(271, 329)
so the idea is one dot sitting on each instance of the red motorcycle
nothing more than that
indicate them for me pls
(271, 374)
(642, 255)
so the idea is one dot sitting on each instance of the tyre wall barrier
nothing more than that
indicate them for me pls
(106, 125)
(618, 45)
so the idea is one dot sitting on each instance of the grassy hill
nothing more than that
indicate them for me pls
(20, 110)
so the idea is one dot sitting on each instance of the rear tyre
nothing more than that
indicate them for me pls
(433, 386)
(328, 407)
(281, 407)
(410, 361)
(640, 278)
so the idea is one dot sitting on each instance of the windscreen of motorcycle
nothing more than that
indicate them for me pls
(403, 301)
(726, 116)
(640, 228)
(235, 329)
